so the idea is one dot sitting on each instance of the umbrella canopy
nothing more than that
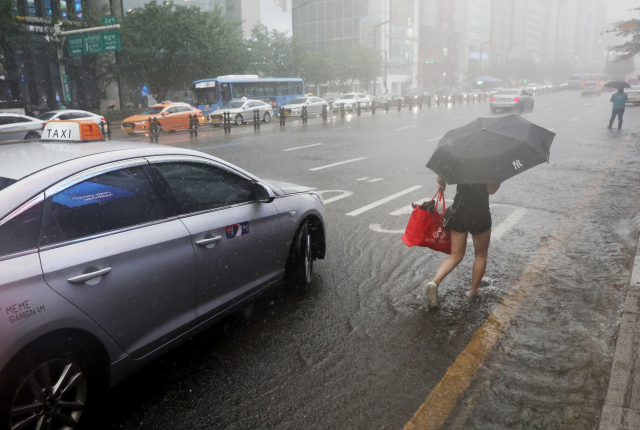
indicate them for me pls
(617, 84)
(490, 150)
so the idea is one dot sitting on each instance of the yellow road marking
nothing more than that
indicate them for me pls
(444, 397)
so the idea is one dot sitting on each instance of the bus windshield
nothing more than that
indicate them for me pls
(206, 96)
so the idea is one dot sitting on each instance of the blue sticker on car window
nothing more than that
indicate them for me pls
(89, 192)
(236, 230)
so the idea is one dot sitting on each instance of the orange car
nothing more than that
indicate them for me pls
(171, 116)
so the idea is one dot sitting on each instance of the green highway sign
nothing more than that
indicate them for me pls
(94, 43)
(65, 88)
(109, 20)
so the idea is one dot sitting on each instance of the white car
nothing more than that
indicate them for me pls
(350, 101)
(633, 95)
(71, 114)
(590, 89)
(313, 104)
(15, 127)
(241, 111)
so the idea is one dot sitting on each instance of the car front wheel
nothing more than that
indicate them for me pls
(239, 120)
(267, 117)
(300, 264)
(32, 135)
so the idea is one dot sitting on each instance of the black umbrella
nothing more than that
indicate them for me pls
(490, 150)
(617, 84)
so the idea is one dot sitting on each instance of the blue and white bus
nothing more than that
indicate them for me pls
(211, 94)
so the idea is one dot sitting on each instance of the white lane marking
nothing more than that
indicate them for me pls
(402, 128)
(435, 138)
(336, 198)
(337, 164)
(508, 223)
(591, 111)
(573, 119)
(362, 179)
(375, 180)
(301, 147)
(383, 201)
(377, 228)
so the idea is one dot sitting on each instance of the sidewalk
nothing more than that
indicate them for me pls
(621, 410)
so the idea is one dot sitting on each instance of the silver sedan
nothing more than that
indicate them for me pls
(518, 98)
(241, 111)
(15, 127)
(313, 105)
(112, 253)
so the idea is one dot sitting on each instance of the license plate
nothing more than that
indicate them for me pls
(287, 111)
(128, 128)
(216, 119)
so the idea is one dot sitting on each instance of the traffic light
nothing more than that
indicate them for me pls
(429, 62)
(525, 81)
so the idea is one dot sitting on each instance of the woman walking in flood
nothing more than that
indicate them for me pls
(472, 215)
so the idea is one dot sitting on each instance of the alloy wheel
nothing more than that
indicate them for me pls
(52, 397)
(267, 117)
(308, 259)
(239, 120)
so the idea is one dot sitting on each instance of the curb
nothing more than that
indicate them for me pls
(621, 410)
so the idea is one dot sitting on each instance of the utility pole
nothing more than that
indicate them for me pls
(555, 56)
(449, 53)
(375, 42)
(386, 60)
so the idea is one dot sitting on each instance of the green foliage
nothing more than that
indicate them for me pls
(167, 46)
(12, 34)
(620, 68)
(631, 47)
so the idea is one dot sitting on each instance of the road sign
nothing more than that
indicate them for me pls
(65, 88)
(630, 25)
(94, 43)
(109, 20)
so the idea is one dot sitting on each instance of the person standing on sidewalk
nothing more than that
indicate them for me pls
(472, 216)
(618, 99)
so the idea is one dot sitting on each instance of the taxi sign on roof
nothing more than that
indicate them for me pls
(72, 131)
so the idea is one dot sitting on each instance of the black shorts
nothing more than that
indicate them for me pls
(472, 223)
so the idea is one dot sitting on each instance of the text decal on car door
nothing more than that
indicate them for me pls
(236, 230)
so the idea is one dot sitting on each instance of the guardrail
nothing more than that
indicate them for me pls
(197, 125)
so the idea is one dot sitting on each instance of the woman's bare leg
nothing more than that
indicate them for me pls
(458, 248)
(481, 245)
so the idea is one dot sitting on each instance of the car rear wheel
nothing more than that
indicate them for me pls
(239, 120)
(32, 135)
(267, 117)
(47, 387)
(300, 264)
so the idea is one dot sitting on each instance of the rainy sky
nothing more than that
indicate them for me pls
(619, 10)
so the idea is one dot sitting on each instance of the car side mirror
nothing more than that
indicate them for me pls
(264, 194)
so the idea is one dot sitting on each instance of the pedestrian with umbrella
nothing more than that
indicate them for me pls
(618, 99)
(478, 157)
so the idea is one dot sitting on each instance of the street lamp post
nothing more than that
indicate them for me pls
(449, 53)
(375, 40)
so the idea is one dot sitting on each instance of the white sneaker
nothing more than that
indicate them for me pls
(432, 295)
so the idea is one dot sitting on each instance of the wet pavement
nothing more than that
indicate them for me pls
(359, 350)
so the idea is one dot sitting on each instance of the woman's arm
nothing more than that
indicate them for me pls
(492, 188)
(441, 183)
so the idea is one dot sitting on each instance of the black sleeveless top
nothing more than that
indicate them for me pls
(472, 199)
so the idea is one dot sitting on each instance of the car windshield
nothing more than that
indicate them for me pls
(152, 110)
(47, 115)
(5, 182)
(298, 101)
(233, 105)
(508, 92)
(349, 96)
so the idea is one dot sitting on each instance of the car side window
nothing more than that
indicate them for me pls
(172, 109)
(182, 109)
(22, 119)
(4, 120)
(199, 187)
(64, 117)
(78, 115)
(112, 201)
(22, 232)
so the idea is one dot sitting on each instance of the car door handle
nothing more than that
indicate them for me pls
(205, 242)
(81, 279)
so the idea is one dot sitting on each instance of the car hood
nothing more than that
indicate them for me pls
(287, 187)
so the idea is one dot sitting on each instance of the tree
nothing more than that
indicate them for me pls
(167, 46)
(12, 35)
(620, 68)
(631, 47)
(359, 62)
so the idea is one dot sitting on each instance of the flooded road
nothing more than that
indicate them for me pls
(359, 350)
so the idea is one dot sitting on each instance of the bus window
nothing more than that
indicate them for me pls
(269, 89)
(206, 96)
(241, 89)
(226, 93)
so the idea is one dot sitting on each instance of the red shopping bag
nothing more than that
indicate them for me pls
(425, 228)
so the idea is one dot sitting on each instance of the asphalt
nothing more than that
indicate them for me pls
(359, 350)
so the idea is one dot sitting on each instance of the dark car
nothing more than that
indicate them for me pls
(417, 94)
(391, 98)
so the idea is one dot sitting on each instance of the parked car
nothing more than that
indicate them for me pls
(417, 94)
(392, 98)
(519, 99)
(591, 89)
(314, 106)
(633, 95)
(241, 111)
(114, 253)
(351, 100)
(171, 116)
(71, 114)
(14, 127)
